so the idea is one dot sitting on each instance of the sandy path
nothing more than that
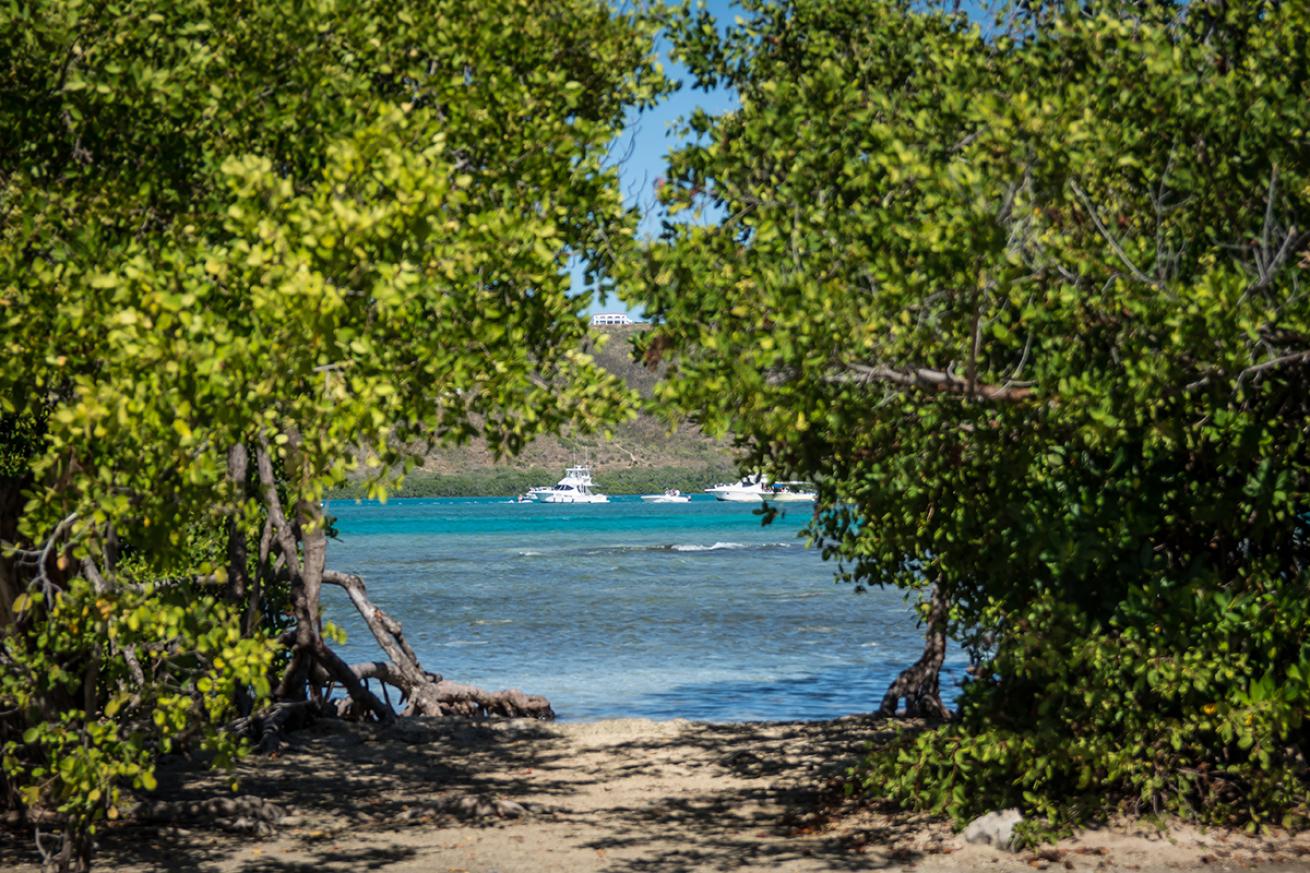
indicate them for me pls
(611, 797)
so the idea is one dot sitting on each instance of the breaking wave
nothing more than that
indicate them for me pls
(719, 546)
(692, 547)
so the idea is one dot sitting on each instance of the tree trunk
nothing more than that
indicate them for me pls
(263, 565)
(75, 852)
(919, 684)
(11, 508)
(238, 559)
(306, 566)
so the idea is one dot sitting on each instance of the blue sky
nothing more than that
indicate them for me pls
(648, 138)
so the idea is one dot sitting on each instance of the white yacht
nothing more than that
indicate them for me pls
(746, 490)
(672, 495)
(575, 487)
(753, 488)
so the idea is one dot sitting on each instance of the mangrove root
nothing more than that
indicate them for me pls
(426, 693)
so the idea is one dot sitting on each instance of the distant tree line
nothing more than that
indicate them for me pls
(508, 481)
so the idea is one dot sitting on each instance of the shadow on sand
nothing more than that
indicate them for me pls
(711, 797)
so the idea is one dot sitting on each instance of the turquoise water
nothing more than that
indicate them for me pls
(625, 609)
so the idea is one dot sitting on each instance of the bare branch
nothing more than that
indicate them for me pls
(92, 573)
(281, 529)
(1269, 271)
(941, 381)
(1282, 361)
(397, 648)
(40, 560)
(1109, 238)
(134, 665)
(1023, 360)
(1269, 221)
(340, 670)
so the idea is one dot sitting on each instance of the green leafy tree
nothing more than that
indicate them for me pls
(1026, 304)
(246, 250)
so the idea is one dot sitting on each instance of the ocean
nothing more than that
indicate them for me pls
(625, 609)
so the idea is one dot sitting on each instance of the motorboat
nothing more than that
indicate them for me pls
(750, 489)
(791, 492)
(575, 487)
(672, 495)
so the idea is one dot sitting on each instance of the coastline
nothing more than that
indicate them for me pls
(509, 481)
(618, 795)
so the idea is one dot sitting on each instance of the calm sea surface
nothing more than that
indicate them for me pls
(625, 609)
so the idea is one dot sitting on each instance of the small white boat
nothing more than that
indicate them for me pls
(672, 495)
(575, 487)
(753, 488)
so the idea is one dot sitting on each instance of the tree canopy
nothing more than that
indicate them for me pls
(351, 221)
(247, 249)
(1025, 302)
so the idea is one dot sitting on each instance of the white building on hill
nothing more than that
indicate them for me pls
(610, 318)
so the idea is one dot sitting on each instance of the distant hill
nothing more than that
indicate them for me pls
(642, 456)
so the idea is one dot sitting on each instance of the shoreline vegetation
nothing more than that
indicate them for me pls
(509, 481)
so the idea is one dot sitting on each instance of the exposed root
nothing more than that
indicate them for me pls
(268, 727)
(426, 693)
(458, 699)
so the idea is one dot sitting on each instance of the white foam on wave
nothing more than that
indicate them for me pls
(692, 547)
(494, 621)
(530, 553)
(673, 547)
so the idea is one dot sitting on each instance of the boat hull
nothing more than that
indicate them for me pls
(575, 498)
(738, 496)
(792, 497)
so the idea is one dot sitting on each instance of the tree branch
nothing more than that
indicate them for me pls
(939, 381)
(392, 640)
(1283, 360)
(281, 529)
(1109, 238)
(1269, 271)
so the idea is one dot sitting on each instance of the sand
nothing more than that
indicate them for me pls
(616, 796)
